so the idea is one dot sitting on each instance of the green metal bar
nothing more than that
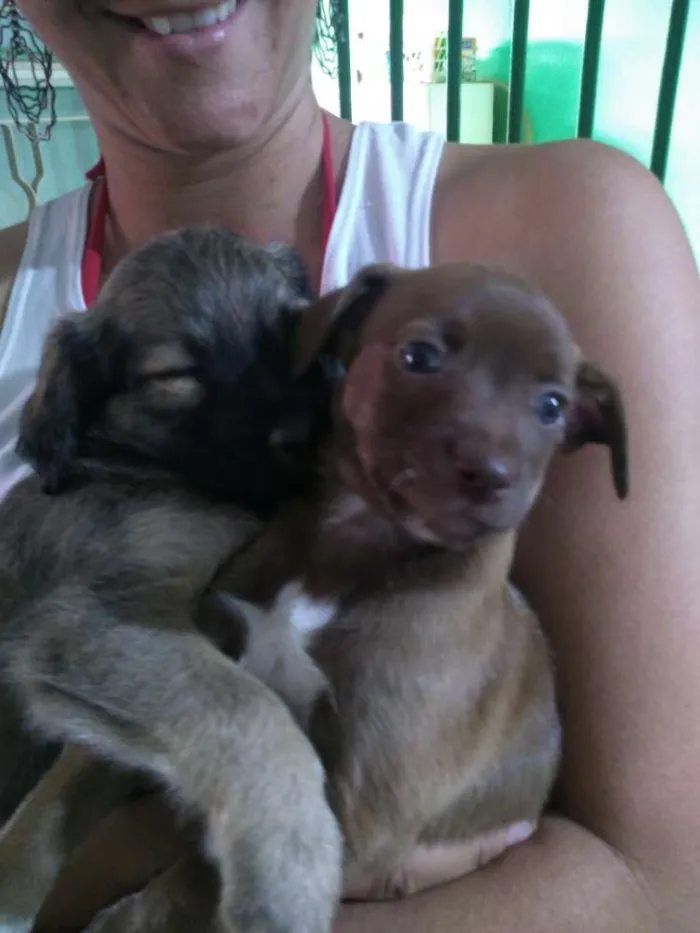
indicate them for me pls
(344, 71)
(518, 62)
(454, 69)
(396, 53)
(589, 73)
(670, 75)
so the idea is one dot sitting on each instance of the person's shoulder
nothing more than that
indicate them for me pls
(568, 167)
(517, 201)
(12, 243)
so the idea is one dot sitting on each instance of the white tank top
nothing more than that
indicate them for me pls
(383, 215)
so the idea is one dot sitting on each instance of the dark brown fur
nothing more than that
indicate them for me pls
(151, 427)
(442, 682)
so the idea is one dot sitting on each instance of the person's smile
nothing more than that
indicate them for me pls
(192, 29)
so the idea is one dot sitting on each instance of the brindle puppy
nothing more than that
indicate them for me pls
(153, 424)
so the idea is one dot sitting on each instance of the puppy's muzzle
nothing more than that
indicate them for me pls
(484, 480)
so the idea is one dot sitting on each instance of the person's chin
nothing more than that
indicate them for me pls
(220, 101)
(200, 112)
(204, 120)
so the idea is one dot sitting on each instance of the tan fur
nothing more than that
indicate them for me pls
(100, 582)
(443, 696)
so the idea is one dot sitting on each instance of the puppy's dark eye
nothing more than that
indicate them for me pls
(419, 356)
(550, 408)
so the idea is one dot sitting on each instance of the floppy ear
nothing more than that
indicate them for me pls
(59, 409)
(598, 417)
(330, 326)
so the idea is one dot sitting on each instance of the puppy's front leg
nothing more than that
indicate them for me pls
(49, 823)
(168, 701)
(269, 642)
(276, 653)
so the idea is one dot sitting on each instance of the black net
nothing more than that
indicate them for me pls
(25, 73)
(329, 27)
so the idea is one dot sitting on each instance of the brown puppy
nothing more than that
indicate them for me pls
(152, 423)
(461, 384)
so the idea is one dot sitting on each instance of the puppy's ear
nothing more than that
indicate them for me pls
(306, 418)
(598, 417)
(58, 411)
(331, 325)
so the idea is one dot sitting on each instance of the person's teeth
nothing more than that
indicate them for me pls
(159, 24)
(204, 18)
(186, 22)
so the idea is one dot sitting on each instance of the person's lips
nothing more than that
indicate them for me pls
(181, 22)
(188, 22)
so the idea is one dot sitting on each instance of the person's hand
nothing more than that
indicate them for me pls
(135, 843)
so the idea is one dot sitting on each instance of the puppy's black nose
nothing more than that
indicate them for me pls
(485, 480)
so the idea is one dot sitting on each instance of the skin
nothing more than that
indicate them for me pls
(615, 584)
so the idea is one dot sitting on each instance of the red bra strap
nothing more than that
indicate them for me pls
(330, 192)
(91, 273)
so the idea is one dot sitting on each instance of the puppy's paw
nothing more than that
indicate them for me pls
(386, 886)
(493, 844)
(302, 687)
(288, 904)
(276, 656)
(440, 863)
(428, 866)
(283, 874)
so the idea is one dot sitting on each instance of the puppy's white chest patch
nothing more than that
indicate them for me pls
(276, 650)
(307, 615)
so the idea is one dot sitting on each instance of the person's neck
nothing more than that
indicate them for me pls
(268, 188)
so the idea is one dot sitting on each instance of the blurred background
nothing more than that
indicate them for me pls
(626, 72)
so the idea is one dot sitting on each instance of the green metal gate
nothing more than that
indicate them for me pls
(677, 26)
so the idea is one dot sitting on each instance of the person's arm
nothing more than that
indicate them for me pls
(564, 880)
(617, 585)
